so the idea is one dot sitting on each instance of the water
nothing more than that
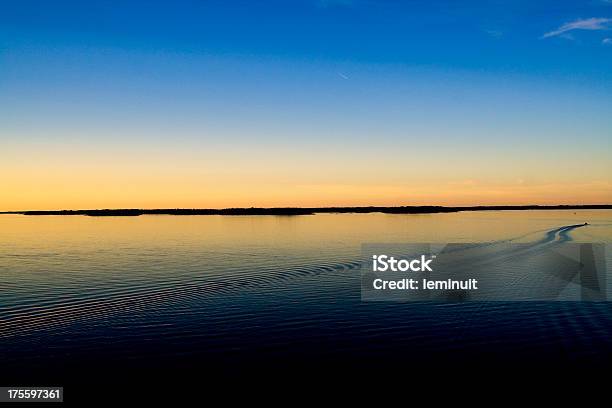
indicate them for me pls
(233, 295)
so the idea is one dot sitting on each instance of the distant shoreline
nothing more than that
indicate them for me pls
(288, 211)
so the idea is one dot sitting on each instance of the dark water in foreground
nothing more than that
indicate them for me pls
(211, 296)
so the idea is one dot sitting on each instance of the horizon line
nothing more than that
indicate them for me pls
(424, 209)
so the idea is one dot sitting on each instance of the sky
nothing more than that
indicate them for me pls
(212, 104)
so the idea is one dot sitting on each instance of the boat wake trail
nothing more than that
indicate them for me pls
(560, 234)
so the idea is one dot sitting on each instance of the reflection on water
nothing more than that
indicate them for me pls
(231, 291)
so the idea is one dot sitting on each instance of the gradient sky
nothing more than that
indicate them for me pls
(304, 103)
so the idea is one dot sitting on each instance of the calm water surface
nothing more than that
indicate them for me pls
(232, 293)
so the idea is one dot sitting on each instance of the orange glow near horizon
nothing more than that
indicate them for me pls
(52, 178)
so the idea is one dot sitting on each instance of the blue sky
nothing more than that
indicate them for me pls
(268, 50)
(439, 33)
(528, 80)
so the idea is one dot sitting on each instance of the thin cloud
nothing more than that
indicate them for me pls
(592, 24)
(607, 41)
(341, 75)
(494, 33)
